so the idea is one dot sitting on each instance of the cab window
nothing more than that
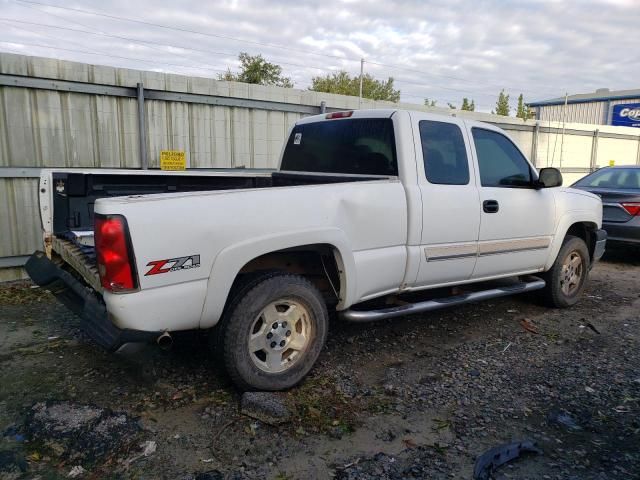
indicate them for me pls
(501, 163)
(364, 146)
(444, 153)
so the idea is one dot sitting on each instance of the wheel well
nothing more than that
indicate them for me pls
(318, 263)
(587, 232)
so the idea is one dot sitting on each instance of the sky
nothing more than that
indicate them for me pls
(442, 50)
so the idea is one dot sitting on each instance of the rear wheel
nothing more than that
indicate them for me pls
(568, 276)
(273, 331)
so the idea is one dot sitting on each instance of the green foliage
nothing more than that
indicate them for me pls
(430, 103)
(255, 69)
(468, 106)
(344, 84)
(523, 111)
(502, 104)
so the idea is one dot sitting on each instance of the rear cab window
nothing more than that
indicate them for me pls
(500, 162)
(444, 153)
(364, 146)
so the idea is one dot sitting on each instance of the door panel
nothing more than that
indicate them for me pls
(450, 206)
(516, 221)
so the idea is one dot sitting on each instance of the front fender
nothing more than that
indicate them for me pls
(230, 261)
(565, 222)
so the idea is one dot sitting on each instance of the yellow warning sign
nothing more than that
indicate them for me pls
(173, 160)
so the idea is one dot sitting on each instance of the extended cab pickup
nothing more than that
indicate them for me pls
(372, 214)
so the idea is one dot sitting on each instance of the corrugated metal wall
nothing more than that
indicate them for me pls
(54, 128)
(593, 113)
(20, 231)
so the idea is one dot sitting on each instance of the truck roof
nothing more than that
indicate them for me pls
(386, 113)
(367, 113)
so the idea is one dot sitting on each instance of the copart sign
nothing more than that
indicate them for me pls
(626, 115)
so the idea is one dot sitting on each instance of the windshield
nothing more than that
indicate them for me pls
(363, 146)
(622, 178)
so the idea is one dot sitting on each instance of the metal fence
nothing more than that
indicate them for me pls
(55, 113)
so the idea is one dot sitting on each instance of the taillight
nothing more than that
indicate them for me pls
(333, 115)
(115, 262)
(633, 208)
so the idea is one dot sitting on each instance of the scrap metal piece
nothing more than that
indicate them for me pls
(490, 460)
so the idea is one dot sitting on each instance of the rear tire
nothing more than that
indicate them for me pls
(567, 277)
(272, 332)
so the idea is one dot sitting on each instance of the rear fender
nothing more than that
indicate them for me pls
(230, 261)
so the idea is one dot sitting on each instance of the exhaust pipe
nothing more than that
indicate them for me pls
(165, 341)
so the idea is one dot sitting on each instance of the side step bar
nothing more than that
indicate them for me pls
(359, 316)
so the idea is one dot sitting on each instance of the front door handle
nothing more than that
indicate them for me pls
(490, 206)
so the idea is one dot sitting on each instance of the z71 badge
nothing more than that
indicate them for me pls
(173, 264)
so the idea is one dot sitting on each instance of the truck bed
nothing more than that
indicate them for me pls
(75, 193)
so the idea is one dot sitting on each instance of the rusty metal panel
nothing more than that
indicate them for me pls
(57, 129)
(20, 231)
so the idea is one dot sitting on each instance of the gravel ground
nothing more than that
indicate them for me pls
(416, 397)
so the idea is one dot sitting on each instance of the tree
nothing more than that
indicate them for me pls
(523, 111)
(255, 69)
(344, 84)
(430, 103)
(451, 106)
(470, 107)
(502, 105)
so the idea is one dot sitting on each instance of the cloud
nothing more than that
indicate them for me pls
(440, 50)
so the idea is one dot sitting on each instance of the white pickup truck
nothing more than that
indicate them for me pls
(372, 214)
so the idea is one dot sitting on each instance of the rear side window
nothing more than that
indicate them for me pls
(501, 163)
(364, 146)
(622, 178)
(444, 153)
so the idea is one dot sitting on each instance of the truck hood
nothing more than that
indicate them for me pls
(574, 200)
(584, 193)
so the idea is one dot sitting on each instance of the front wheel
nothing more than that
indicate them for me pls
(568, 276)
(273, 332)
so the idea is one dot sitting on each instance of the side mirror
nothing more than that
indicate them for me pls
(548, 178)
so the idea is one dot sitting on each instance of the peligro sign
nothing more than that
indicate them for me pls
(626, 115)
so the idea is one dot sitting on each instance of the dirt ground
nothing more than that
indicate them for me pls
(415, 397)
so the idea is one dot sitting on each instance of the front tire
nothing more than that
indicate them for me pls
(567, 277)
(273, 331)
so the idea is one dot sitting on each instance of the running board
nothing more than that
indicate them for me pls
(532, 283)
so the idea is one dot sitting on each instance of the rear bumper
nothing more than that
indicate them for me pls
(599, 245)
(84, 302)
(628, 232)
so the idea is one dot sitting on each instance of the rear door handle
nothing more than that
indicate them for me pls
(490, 206)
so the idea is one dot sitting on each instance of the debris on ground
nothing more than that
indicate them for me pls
(85, 433)
(76, 471)
(489, 461)
(528, 326)
(148, 448)
(563, 419)
(267, 407)
(409, 398)
(589, 325)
